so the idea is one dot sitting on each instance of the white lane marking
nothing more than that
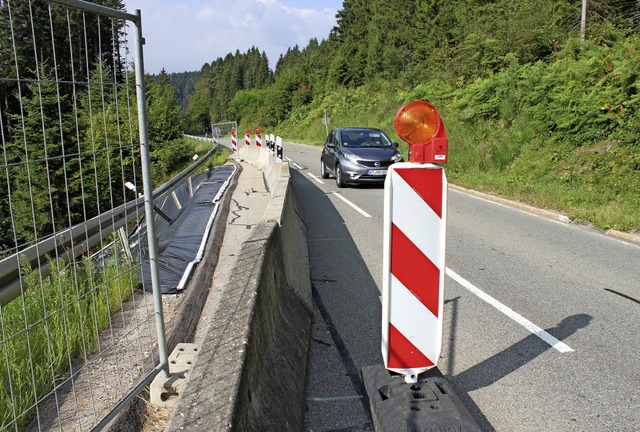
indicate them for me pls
(358, 209)
(315, 178)
(288, 159)
(555, 343)
(296, 165)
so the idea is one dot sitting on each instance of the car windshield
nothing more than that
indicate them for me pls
(365, 138)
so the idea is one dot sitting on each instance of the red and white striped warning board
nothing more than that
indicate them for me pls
(415, 215)
(258, 138)
(234, 141)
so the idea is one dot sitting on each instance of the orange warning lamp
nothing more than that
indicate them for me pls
(257, 131)
(419, 125)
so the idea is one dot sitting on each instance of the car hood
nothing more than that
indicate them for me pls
(372, 153)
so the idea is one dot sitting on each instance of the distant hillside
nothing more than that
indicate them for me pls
(184, 83)
(532, 112)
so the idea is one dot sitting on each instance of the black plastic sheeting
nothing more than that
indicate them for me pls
(191, 209)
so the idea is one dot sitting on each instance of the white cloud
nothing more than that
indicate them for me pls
(183, 35)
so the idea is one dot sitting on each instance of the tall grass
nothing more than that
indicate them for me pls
(55, 324)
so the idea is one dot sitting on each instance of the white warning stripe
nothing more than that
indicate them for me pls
(417, 323)
(417, 221)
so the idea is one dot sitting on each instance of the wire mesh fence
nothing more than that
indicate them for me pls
(219, 130)
(78, 331)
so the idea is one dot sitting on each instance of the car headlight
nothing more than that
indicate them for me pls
(396, 157)
(350, 157)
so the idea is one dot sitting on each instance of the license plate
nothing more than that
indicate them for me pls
(377, 172)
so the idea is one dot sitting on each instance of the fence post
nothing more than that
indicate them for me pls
(148, 195)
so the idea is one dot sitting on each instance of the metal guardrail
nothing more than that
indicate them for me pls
(80, 239)
(80, 342)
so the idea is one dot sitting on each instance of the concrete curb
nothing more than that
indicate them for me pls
(250, 371)
(634, 238)
(550, 214)
(515, 204)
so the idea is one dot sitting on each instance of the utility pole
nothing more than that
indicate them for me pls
(583, 22)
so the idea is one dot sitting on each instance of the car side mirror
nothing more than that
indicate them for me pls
(396, 145)
(330, 145)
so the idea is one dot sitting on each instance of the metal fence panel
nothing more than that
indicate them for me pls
(78, 334)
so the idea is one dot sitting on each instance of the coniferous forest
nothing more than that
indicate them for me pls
(61, 127)
(532, 111)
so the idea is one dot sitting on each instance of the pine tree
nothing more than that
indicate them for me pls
(41, 168)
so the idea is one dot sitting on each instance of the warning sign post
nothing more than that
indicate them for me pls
(415, 215)
(408, 392)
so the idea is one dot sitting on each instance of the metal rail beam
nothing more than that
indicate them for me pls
(73, 242)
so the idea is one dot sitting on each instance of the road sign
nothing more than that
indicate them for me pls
(415, 215)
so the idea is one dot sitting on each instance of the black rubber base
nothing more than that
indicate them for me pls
(429, 405)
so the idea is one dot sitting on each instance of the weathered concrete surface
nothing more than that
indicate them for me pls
(251, 367)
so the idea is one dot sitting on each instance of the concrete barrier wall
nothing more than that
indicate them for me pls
(250, 374)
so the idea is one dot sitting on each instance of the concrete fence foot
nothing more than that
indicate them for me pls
(165, 390)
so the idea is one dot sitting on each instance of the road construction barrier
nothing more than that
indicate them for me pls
(415, 220)
(234, 141)
(415, 214)
(258, 138)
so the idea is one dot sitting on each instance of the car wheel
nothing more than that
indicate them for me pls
(339, 180)
(323, 170)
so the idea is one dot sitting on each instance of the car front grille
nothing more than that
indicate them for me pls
(372, 164)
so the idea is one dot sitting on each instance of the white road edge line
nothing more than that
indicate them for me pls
(288, 159)
(315, 178)
(358, 209)
(555, 343)
(296, 165)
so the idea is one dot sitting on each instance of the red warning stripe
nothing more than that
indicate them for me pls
(428, 185)
(414, 270)
(403, 354)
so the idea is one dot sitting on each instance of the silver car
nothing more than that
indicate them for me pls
(358, 155)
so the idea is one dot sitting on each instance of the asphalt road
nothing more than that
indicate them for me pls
(541, 317)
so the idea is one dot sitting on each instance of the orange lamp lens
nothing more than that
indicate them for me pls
(417, 122)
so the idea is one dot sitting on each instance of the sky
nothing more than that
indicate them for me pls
(183, 35)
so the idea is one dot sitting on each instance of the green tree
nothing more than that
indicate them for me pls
(42, 164)
(165, 115)
(197, 115)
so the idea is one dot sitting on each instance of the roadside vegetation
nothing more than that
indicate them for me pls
(64, 314)
(75, 146)
(532, 113)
